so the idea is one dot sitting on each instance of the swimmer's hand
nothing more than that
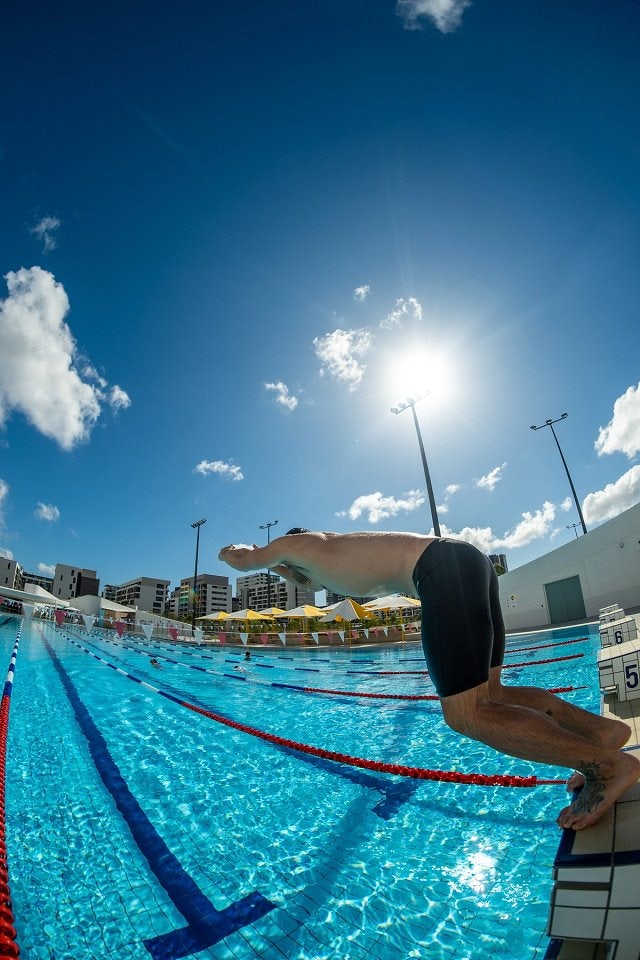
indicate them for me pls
(239, 556)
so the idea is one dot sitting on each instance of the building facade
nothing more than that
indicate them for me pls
(145, 593)
(258, 591)
(45, 582)
(70, 582)
(213, 594)
(499, 558)
(11, 574)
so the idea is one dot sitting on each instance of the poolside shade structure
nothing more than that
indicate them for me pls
(273, 612)
(347, 609)
(392, 602)
(34, 594)
(247, 614)
(218, 615)
(307, 610)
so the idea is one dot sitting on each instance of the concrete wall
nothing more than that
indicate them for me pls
(607, 561)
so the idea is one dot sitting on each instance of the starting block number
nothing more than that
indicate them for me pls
(631, 676)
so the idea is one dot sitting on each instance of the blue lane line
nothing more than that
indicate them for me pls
(206, 926)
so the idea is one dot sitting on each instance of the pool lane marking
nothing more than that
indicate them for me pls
(206, 925)
(8, 934)
(505, 666)
(396, 769)
(292, 686)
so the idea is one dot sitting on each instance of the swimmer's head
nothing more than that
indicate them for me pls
(297, 530)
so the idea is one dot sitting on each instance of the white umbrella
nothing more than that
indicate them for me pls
(392, 602)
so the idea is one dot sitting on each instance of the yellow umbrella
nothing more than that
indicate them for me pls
(347, 609)
(248, 614)
(218, 615)
(307, 610)
(273, 612)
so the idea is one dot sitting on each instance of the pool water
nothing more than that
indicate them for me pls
(139, 828)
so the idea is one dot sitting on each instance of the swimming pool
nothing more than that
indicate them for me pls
(137, 827)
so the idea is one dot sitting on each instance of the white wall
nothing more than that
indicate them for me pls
(607, 560)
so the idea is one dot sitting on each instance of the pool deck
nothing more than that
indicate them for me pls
(595, 901)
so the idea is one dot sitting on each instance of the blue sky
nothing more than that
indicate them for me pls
(232, 233)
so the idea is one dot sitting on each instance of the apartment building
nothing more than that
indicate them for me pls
(213, 593)
(261, 590)
(11, 574)
(45, 582)
(499, 559)
(70, 582)
(145, 593)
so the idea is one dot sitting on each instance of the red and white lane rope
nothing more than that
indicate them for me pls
(8, 945)
(401, 770)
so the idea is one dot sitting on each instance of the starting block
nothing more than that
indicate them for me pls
(619, 669)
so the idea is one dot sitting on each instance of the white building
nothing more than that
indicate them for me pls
(213, 593)
(574, 581)
(11, 574)
(145, 593)
(257, 591)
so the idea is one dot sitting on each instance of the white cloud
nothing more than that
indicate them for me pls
(229, 471)
(361, 293)
(337, 352)
(6, 553)
(47, 511)
(489, 481)
(403, 309)
(451, 488)
(378, 507)
(118, 399)
(533, 526)
(566, 504)
(622, 433)
(47, 569)
(444, 14)
(92, 374)
(44, 230)
(38, 373)
(4, 493)
(616, 497)
(282, 394)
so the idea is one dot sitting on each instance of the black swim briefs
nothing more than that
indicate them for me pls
(462, 626)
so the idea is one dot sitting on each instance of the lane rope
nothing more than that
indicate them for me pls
(401, 770)
(8, 934)
(297, 687)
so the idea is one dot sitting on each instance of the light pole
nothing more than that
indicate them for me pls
(196, 526)
(267, 527)
(575, 528)
(411, 402)
(550, 423)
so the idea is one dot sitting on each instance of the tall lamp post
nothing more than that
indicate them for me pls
(267, 527)
(411, 402)
(196, 526)
(550, 423)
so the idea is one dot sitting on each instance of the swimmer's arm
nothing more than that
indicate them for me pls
(291, 574)
(292, 551)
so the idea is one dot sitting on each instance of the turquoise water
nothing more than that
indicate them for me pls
(137, 828)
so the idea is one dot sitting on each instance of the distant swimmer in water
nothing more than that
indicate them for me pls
(154, 662)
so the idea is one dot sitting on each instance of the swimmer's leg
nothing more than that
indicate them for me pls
(532, 734)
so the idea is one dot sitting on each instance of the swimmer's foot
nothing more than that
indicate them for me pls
(600, 792)
(616, 735)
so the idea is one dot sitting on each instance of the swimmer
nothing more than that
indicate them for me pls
(154, 662)
(463, 639)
